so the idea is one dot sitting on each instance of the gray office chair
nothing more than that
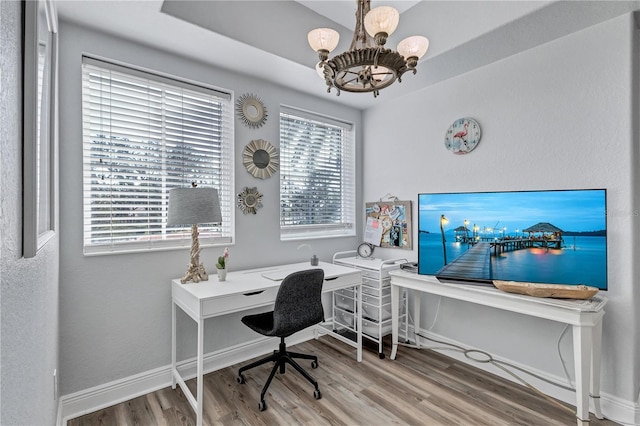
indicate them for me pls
(298, 306)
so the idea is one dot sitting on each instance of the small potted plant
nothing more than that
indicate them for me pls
(221, 266)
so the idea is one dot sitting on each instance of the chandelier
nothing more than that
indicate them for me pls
(366, 67)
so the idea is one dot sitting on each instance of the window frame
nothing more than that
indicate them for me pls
(219, 176)
(346, 227)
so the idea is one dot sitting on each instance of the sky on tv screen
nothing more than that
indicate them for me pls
(578, 211)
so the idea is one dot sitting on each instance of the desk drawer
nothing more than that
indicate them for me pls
(346, 319)
(346, 292)
(373, 312)
(376, 291)
(375, 329)
(238, 302)
(384, 300)
(344, 281)
(343, 302)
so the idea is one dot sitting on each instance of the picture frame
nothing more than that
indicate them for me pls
(39, 121)
(395, 217)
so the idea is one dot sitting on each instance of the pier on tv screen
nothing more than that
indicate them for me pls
(553, 237)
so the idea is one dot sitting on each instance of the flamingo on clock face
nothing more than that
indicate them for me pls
(462, 133)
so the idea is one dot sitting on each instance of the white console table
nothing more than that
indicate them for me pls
(244, 290)
(585, 317)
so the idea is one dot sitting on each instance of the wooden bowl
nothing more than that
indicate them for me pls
(558, 291)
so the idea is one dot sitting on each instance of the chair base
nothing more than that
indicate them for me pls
(281, 357)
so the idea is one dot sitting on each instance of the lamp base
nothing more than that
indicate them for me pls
(195, 273)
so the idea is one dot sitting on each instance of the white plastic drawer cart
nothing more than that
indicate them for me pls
(376, 299)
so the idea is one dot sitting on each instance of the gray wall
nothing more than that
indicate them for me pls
(562, 115)
(29, 287)
(116, 309)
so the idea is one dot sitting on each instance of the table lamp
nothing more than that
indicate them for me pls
(191, 206)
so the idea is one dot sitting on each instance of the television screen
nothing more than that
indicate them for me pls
(553, 237)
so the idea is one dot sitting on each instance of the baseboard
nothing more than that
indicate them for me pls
(613, 408)
(620, 410)
(108, 394)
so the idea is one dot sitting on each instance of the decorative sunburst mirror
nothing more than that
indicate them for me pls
(261, 158)
(251, 110)
(249, 200)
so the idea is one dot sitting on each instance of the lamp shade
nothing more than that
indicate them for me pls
(383, 19)
(323, 39)
(189, 206)
(413, 46)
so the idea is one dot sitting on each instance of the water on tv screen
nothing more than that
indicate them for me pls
(554, 237)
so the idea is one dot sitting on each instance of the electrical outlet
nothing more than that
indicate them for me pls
(55, 384)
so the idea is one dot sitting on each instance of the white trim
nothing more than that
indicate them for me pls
(102, 396)
(613, 408)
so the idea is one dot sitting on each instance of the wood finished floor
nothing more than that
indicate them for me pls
(420, 387)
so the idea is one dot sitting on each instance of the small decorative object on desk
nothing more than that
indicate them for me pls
(558, 291)
(314, 260)
(221, 266)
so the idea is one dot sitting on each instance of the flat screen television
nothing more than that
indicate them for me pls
(552, 236)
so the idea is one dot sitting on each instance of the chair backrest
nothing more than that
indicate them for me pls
(299, 302)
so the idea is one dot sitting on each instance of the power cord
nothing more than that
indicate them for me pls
(502, 365)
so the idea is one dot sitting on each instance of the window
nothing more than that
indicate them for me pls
(144, 134)
(317, 176)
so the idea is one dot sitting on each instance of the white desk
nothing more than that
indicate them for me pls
(244, 290)
(585, 316)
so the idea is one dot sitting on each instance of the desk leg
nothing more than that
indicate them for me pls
(200, 362)
(173, 345)
(416, 315)
(595, 368)
(395, 299)
(359, 325)
(582, 347)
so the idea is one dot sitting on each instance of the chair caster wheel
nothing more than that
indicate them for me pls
(381, 355)
(314, 364)
(262, 406)
(317, 394)
(240, 379)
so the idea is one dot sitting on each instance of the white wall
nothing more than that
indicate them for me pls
(115, 311)
(29, 287)
(558, 116)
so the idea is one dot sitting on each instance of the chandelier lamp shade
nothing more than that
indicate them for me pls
(367, 66)
(191, 206)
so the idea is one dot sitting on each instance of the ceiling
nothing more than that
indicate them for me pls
(267, 39)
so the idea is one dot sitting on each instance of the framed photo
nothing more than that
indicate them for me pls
(395, 219)
(39, 133)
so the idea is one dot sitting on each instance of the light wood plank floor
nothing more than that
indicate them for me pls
(420, 387)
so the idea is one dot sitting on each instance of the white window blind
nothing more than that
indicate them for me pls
(317, 176)
(144, 134)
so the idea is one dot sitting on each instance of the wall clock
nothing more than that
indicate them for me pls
(365, 250)
(463, 136)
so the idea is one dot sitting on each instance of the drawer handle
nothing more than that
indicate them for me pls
(331, 279)
(253, 293)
